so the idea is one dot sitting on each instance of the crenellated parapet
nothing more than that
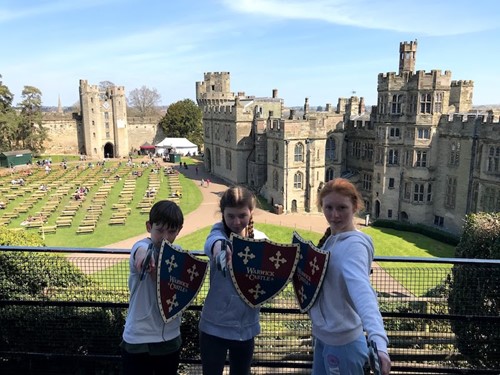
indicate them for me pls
(420, 80)
(462, 83)
(470, 124)
(214, 89)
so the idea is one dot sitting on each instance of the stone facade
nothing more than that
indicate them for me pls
(102, 129)
(420, 155)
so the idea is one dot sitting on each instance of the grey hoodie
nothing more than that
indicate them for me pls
(347, 301)
(144, 322)
(224, 313)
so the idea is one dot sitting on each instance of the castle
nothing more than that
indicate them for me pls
(102, 128)
(407, 155)
(420, 155)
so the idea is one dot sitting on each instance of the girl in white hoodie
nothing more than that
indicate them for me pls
(347, 304)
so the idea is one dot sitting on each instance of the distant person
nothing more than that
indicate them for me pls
(149, 346)
(347, 304)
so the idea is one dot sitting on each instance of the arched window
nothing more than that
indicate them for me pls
(494, 159)
(299, 152)
(276, 152)
(275, 179)
(454, 154)
(297, 180)
(329, 174)
(330, 149)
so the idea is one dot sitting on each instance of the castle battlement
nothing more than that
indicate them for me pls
(209, 75)
(487, 118)
(217, 109)
(462, 83)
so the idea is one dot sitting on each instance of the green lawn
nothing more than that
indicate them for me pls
(104, 234)
(388, 242)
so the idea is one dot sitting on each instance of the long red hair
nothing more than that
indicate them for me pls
(343, 187)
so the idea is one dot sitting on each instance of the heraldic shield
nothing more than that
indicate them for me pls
(260, 269)
(180, 275)
(310, 272)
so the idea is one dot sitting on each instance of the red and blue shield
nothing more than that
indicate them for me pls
(310, 272)
(260, 269)
(180, 275)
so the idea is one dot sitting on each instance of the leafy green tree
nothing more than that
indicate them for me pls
(475, 290)
(6, 97)
(31, 134)
(144, 101)
(184, 119)
(8, 118)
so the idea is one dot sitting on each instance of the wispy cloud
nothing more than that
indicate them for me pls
(20, 10)
(426, 17)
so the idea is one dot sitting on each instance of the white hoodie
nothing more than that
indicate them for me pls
(347, 301)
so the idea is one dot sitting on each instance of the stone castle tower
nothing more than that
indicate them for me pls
(102, 128)
(104, 115)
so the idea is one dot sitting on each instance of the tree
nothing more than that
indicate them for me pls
(30, 133)
(184, 119)
(144, 101)
(475, 290)
(6, 97)
(8, 118)
(103, 85)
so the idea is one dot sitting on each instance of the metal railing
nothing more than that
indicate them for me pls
(62, 310)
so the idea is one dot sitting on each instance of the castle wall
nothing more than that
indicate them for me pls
(64, 132)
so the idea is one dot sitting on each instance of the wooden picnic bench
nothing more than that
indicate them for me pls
(119, 215)
(145, 210)
(117, 221)
(48, 229)
(117, 206)
(4, 220)
(88, 222)
(64, 222)
(34, 224)
(85, 229)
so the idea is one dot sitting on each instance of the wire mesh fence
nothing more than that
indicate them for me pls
(63, 311)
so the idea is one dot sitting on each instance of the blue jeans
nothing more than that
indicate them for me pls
(348, 359)
(214, 349)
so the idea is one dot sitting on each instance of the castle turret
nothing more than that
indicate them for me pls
(306, 107)
(407, 57)
(215, 89)
(59, 105)
(461, 95)
(362, 107)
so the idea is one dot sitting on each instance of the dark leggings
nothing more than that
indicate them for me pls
(214, 350)
(146, 364)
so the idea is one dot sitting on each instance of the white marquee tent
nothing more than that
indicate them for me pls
(177, 146)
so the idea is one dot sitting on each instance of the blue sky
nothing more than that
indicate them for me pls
(321, 49)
